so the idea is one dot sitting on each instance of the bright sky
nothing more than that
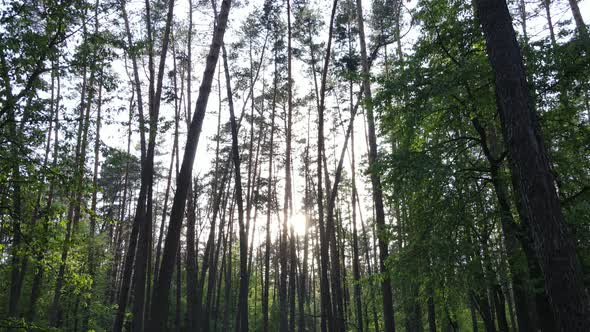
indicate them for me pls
(115, 135)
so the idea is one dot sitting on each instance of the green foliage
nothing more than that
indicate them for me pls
(436, 176)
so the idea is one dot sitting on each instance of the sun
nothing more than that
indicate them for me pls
(299, 223)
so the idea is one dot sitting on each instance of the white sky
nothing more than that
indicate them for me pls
(115, 135)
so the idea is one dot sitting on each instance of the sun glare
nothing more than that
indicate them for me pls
(299, 223)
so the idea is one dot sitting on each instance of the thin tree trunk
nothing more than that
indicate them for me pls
(160, 299)
(472, 304)
(144, 212)
(39, 273)
(303, 298)
(388, 315)
(228, 283)
(328, 322)
(242, 316)
(166, 197)
(132, 244)
(431, 309)
(75, 208)
(191, 258)
(283, 251)
(91, 250)
(500, 303)
(355, 246)
(177, 313)
(580, 25)
(269, 208)
(509, 228)
(111, 292)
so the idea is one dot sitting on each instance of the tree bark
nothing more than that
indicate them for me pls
(531, 171)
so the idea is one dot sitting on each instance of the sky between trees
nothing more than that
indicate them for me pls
(289, 165)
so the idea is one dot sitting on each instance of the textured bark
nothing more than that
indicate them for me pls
(531, 171)
(523, 19)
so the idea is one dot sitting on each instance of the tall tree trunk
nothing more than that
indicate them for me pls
(228, 283)
(328, 322)
(132, 243)
(283, 250)
(500, 303)
(92, 252)
(303, 298)
(472, 305)
(166, 197)
(39, 273)
(178, 306)
(531, 171)
(111, 290)
(388, 315)
(191, 264)
(161, 291)
(547, 5)
(356, 273)
(242, 316)
(143, 214)
(509, 227)
(75, 208)
(431, 309)
(191, 258)
(269, 208)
